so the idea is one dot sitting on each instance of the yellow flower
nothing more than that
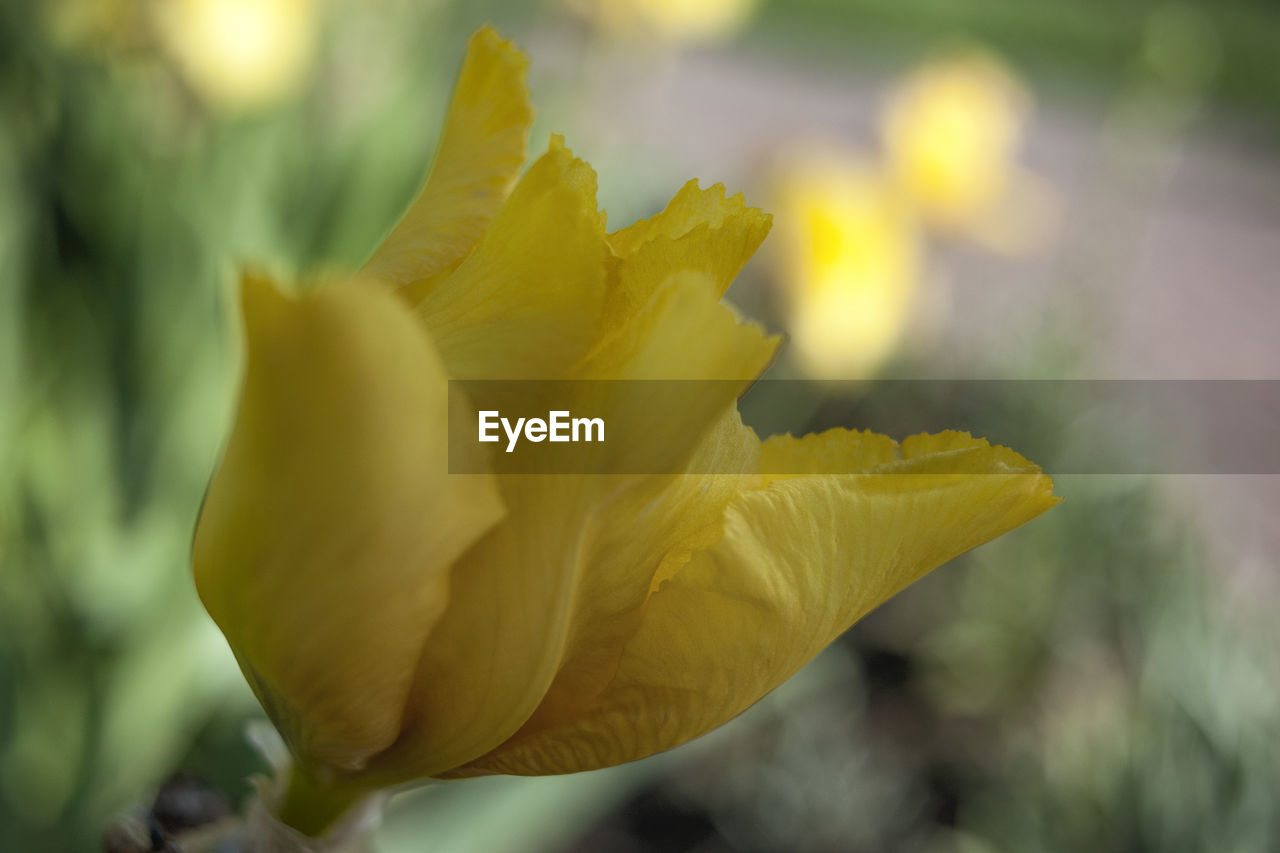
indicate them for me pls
(850, 262)
(952, 131)
(398, 622)
(669, 20)
(240, 54)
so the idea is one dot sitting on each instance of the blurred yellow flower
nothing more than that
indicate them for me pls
(240, 54)
(952, 131)
(850, 261)
(669, 20)
(398, 622)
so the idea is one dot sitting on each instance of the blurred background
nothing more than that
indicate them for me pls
(987, 189)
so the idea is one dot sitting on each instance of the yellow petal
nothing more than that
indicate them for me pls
(535, 597)
(687, 335)
(332, 505)
(481, 151)
(684, 334)
(688, 209)
(619, 569)
(799, 562)
(699, 231)
(836, 451)
(526, 303)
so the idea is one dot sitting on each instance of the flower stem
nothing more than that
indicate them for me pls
(312, 807)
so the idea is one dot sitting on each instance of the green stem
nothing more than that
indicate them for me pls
(312, 807)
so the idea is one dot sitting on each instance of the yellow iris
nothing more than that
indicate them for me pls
(851, 260)
(669, 20)
(398, 622)
(952, 131)
(240, 54)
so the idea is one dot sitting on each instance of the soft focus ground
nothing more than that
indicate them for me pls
(1103, 679)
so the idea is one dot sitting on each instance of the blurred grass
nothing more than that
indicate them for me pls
(1083, 44)
(124, 205)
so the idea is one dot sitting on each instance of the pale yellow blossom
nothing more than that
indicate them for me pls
(399, 622)
(668, 20)
(952, 132)
(850, 261)
(240, 54)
